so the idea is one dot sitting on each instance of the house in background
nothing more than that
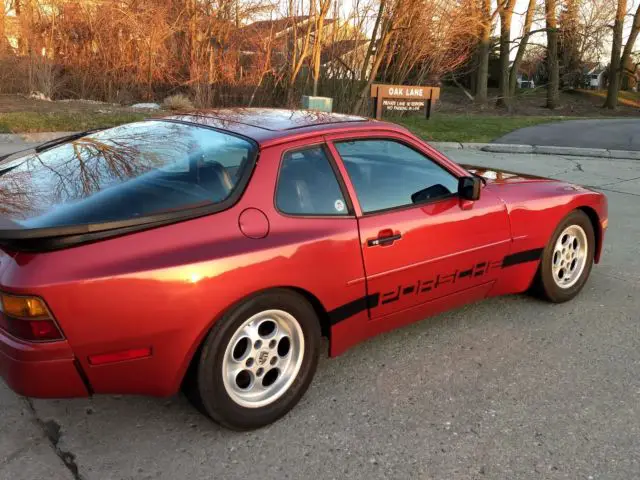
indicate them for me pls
(343, 49)
(595, 76)
(528, 74)
(523, 81)
(345, 58)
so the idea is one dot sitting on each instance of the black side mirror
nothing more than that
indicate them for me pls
(469, 188)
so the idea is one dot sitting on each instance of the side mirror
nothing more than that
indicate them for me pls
(469, 188)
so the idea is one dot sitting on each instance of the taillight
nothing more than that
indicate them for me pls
(28, 318)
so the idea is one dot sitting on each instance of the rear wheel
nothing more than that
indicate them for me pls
(567, 259)
(258, 360)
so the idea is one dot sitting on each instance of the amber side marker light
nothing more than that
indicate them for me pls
(28, 318)
(122, 356)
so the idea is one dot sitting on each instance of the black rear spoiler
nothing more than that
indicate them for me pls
(16, 237)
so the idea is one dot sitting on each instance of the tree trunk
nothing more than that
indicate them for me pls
(616, 46)
(484, 47)
(317, 43)
(483, 67)
(3, 38)
(317, 53)
(528, 22)
(506, 13)
(23, 36)
(631, 41)
(372, 42)
(301, 56)
(552, 54)
(379, 55)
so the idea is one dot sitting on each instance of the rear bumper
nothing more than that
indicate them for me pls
(46, 370)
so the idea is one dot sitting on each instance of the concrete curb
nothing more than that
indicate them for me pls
(31, 137)
(540, 150)
(485, 147)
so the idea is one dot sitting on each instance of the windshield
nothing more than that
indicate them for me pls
(123, 173)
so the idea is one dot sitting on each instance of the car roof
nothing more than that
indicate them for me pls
(273, 125)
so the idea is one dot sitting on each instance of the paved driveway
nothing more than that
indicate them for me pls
(509, 388)
(618, 134)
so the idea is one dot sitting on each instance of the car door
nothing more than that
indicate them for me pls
(420, 241)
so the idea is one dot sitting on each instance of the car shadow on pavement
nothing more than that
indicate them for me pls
(366, 404)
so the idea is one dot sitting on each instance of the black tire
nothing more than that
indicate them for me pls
(545, 286)
(208, 392)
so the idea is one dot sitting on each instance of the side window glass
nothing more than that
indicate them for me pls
(307, 185)
(388, 174)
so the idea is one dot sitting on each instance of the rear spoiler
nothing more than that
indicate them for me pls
(16, 237)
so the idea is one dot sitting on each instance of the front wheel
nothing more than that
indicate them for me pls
(258, 360)
(567, 259)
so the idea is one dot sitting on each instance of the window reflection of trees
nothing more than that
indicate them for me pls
(80, 168)
(269, 118)
(16, 195)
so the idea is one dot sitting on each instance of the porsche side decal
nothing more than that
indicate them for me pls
(423, 286)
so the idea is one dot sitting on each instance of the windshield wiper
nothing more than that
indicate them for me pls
(68, 138)
(52, 143)
(7, 170)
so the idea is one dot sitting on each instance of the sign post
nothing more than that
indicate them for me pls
(403, 98)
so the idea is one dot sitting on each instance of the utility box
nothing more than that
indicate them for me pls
(320, 104)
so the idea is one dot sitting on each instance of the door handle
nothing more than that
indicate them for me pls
(385, 237)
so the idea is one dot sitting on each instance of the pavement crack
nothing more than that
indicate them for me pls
(12, 456)
(596, 187)
(578, 165)
(622, 180)
(53, 432)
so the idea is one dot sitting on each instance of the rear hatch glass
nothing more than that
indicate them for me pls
(133, 173)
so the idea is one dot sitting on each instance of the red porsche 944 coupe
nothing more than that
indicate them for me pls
(210, 252)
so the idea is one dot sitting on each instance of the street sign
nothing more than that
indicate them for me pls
(403, 98)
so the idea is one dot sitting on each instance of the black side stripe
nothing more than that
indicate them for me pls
(356, 306)
(371, 301)
(522, 257)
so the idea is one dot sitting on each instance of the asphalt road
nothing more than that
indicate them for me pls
(9, 147)
(614, 134)
(509, 388)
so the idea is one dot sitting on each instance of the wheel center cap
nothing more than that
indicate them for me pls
(262, 357)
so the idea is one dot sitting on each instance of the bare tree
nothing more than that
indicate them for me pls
(318, 39)
(616, 46)
(594, 21)
(484, 45)
(522, 46)
(388, 19)
(631, 41)
(506, 14)
(223, 52)
(553, 86)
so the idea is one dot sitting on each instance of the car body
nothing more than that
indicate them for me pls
(134, 299)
